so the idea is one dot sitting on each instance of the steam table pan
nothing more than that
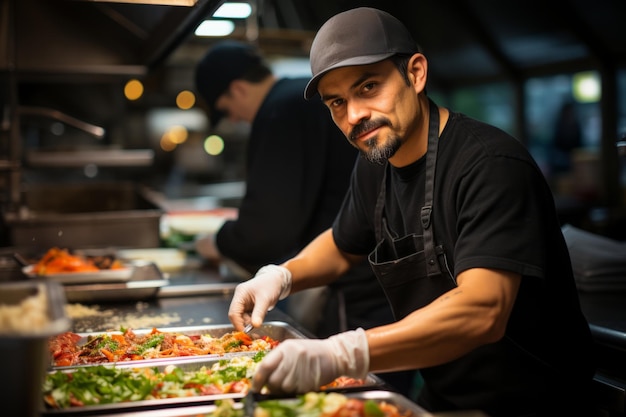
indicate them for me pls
(406, 406)
(185, 365)
(276, 330)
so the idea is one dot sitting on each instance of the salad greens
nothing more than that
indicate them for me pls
(96, 385)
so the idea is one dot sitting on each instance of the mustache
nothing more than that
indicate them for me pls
(366, 126)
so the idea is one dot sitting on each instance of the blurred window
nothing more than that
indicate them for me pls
(492, 103)
(563, 118)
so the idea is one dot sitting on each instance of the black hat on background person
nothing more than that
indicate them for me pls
(226, 61)
(342, 42)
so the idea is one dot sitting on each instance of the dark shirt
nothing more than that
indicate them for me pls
(492, 208)
(297, 173)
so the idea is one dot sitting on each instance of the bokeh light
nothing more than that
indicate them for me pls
(185, 100)
(133, 89)
(214, 145)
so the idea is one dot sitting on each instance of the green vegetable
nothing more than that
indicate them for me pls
(277, 408)
(232, 373)
(233, 345)
(225, 408)
(105, 384)
(371, 409)
(106, 343)
(97, 385)
(153, 341)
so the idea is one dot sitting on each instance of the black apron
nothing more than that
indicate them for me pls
(413, 272)
(412, 269)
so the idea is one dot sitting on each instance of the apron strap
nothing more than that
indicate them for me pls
(380, 204)
(430, 251)
(433, 254)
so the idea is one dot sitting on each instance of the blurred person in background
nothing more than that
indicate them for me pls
(567, 138)
(297, 173)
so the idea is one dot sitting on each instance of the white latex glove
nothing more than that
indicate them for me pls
(303, 365)
(255, 297)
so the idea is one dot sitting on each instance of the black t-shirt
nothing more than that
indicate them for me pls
(298, 167)
(492, 208)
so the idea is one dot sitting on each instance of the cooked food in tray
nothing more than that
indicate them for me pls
(122, 386)
(390, 404)
(58, 260)
(98, 385)
(70, 349)
(321, 404)
(66, 267)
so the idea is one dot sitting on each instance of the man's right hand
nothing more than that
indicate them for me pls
(255, 297)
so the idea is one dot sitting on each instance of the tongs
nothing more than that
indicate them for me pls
(248, 404)
(248, 400)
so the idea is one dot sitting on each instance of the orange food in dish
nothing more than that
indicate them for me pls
(66, 349)
(58, 260)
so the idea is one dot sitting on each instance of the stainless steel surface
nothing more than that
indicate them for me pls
(81, 157)
(217, 288)
(191, 411)
(128, 291)
(248, 328)
(23, 356)
(144, 283)
(73, 278)
(82, 215)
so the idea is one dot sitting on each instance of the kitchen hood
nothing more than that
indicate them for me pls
(43, 38)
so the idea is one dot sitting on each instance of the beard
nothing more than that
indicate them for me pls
(372, 150)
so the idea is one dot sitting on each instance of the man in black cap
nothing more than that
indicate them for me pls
(297, 164)
(297, 173)
(458, 223)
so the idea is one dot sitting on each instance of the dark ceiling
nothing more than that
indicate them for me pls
(466, 41)
(475, 41)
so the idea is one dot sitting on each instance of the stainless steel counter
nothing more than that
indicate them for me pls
(191, 298)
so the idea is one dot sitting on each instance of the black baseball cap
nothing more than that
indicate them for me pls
(356, 37)
(223, 63)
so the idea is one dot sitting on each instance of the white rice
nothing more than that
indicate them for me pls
(30, 315)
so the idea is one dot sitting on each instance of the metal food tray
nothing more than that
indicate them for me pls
(186, 365)
(206, 410)
(144, 283)
(72, 278)
(276, 330)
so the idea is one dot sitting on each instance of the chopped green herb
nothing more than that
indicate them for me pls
(152, 342)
